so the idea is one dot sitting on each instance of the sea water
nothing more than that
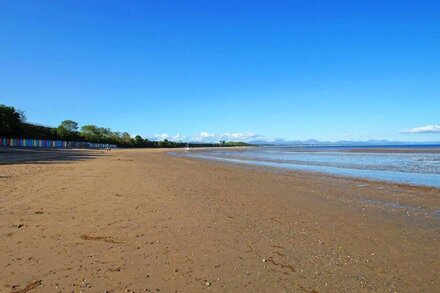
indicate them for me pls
(411, 165)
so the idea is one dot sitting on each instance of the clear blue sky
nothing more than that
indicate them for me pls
(327, 70)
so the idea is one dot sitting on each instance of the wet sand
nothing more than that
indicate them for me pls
(145, 221)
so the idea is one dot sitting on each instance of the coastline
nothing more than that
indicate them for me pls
(404, 203)
(397, 177)
(142, 219)
(362, 149)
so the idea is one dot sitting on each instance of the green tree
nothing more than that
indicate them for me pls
(126, 139)
(10, 120)
(89, 133)
(103, 134)
(69, 125)
(138, 140)
(67, 129)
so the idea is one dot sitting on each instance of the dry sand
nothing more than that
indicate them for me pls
(145, 221)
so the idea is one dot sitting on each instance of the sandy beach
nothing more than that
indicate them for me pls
(146, 221)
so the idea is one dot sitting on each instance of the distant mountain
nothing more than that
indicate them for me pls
(314, 142)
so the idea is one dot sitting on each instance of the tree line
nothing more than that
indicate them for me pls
(13, 124)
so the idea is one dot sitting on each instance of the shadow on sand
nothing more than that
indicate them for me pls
(46, 156)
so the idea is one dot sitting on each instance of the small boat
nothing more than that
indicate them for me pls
(187, 148)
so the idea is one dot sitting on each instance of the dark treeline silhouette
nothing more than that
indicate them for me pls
(13, 125)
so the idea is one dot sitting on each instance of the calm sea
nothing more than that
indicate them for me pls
(403, 164)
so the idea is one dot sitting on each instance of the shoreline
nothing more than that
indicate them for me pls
(286, 167)
(427, 209)
(145, 220)
(362, 149)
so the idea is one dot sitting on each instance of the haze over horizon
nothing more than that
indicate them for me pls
(205, 71)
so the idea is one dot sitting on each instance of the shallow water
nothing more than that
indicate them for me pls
(417, 168)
